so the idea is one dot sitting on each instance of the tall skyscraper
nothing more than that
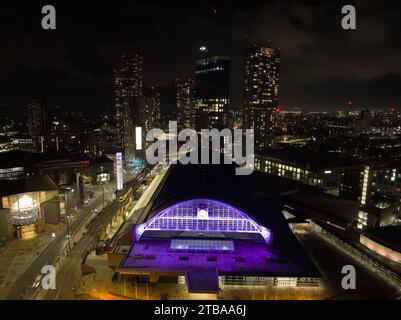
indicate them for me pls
(154, 93)
(36, 118)
(212, 92)
(185, 103)
(36, 112)
(128, 85)
(147, 117)
(261, 92)
(168, 104)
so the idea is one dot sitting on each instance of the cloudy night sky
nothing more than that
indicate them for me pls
(323, 66)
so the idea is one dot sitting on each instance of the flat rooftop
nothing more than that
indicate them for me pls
(323, 206)
(33, 184)
(202, 267)
(309, 159)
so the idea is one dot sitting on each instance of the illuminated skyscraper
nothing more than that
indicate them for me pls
(185, 103)
(128, 85)
(154, 93)
(212, 89)
(36, 117)
(261, 92)
(36, 112)
(146, 111)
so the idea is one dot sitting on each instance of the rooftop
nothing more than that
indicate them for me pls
(202, 268)
(309, 159)
(34, 184)
(323, 206)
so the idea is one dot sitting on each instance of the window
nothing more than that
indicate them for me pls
(201, 245)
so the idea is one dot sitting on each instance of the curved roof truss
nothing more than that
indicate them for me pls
(203, 215)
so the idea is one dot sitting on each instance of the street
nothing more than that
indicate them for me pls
(22, 288)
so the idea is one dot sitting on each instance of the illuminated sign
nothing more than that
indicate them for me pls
(138, 138)
(103, 177)
(119, 169)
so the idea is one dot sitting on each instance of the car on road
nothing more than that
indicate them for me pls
(37, 281)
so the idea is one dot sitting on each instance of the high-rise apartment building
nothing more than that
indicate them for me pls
(36, 118)
(261, 92)
(128, 85)
(185, 103)
(155, 93)
(36, 112)
(147, 111)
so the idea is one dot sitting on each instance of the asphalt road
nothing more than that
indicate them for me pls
(65, 279)
(65, 276)
(22, 287)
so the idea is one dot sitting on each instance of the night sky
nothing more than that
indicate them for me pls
(323, 66)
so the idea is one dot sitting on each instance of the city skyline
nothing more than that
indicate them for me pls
(217, 151)
(323, 66)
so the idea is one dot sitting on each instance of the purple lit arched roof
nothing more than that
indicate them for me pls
(203, 215)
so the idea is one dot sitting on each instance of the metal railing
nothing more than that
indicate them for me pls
(363, 258)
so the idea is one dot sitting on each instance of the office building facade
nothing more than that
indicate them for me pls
(212, 93)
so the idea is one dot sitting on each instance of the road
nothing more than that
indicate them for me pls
(66, 276)
(353, 240)
(330, 260)
(22, 287)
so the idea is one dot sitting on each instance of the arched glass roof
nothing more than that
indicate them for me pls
(203, 215)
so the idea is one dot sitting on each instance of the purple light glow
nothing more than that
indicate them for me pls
(203, 215)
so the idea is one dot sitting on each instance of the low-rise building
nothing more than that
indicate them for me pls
(27, 205)
(340, 177)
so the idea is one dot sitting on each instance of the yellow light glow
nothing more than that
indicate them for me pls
(24, 203)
